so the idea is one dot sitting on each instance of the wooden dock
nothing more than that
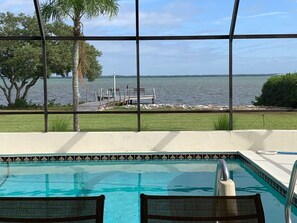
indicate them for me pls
(106, 98)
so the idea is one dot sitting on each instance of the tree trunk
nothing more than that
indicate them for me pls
(7, 90)
(28, 87)
(7, 94)
(75, 87)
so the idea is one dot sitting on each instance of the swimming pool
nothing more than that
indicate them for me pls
(123, 181)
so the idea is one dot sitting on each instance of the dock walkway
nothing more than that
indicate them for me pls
(121, 97)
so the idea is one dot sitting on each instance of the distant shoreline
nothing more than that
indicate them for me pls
(200, 107)
(197, 75)
(170, 76)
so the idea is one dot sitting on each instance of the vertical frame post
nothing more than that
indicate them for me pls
(44, 61)
(231, 35)
(230, 84)
(137, 64)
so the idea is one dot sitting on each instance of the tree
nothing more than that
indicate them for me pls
(280, 91)
(75, 10)
(20, 70)
(20, 61)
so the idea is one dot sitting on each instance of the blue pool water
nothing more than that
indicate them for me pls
(122, 182)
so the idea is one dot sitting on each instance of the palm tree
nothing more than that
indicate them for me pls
(76, 10)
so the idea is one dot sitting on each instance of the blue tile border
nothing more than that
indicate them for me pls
(119, 157)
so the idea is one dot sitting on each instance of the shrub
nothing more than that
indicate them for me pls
(23, 104)
(60, 125)
(52, 105)
(222, 123)
(279, 91)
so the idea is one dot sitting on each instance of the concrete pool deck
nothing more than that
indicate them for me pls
(277, 166)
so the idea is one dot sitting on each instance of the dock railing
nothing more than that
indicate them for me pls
(126, 96)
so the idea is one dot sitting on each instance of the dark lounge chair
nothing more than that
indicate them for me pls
(52, 209)
(186, 209)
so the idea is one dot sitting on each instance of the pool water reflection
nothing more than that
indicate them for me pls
(122, 182)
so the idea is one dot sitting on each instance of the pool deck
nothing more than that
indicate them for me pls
(278, 166)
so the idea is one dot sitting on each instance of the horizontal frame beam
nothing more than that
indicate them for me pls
(148, 38)
(143, 112)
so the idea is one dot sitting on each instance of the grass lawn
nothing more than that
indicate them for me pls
(149, 122)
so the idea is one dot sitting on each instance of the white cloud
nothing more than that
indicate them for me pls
(264, 14)
(155, 18)
(122, 20)
(127, 19)
(166, 14)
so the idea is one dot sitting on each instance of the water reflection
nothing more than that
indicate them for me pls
(122, 183)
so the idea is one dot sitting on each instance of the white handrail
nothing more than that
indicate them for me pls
(222, 173)
(290, 193)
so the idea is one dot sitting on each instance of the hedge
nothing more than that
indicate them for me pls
(280, 90)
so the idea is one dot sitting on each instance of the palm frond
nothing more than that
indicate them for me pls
(56, 10)
(93, 8)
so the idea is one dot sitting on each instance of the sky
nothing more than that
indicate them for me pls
(191, 17)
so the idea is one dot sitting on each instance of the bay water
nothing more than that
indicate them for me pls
(174, 90)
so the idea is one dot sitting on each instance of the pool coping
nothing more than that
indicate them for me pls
(276, 174)
(257, 163)
(142, 142)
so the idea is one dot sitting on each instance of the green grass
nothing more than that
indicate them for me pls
(278, 120)
(150, 122)
(21, 123)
